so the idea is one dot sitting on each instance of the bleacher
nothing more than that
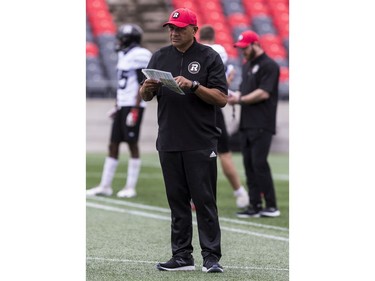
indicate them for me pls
(269, 18)
(101, 58)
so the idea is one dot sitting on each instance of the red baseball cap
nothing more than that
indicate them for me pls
(182, 17)
(246, 38)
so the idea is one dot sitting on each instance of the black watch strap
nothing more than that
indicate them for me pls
(194, 86)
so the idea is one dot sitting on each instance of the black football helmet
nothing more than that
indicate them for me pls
(127, 34)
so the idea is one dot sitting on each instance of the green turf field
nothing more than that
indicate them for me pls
(127, 237)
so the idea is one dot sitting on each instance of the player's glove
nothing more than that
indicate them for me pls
(132, 117)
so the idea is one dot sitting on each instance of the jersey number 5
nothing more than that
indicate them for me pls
(122, 79)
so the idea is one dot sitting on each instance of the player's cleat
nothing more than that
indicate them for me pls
(126, 193)
(99, 190)
(211, 265)
(177, 263)
(270, 212)
(250, 212)
(242, 200)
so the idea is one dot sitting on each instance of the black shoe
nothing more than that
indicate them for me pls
(250, 212)
(177, 263)
(211, 265)
(270, 212)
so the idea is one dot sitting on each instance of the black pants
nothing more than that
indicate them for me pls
(255, 146)
(192, 175)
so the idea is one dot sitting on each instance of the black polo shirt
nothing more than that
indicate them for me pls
(260, 73)
(186, 122)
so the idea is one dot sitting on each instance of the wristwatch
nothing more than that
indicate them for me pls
(194, 86)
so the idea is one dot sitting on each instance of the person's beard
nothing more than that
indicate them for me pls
(251, 55)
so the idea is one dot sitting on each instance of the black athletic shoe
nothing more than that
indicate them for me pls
(177, 263)
(211, 266)
(270, 212)
(250, 212)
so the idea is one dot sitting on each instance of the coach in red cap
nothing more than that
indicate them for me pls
(258, 97)
(187, 139)
(182, 25)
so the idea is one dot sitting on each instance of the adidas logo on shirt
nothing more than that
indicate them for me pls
(213, 154)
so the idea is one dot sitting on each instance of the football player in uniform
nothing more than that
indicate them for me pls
(127, 113)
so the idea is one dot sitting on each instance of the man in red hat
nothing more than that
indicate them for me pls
(187, 139)
(258, 97)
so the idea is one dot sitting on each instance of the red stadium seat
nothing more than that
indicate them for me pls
(189, 4)
(284, 74)
(201, 19)
(284, 32)
(275, 51)
(101, 14)
(270, 39)
(282, 24)
(273, 2)
(256, 8)
(210, 6)
(216, 2)
(223, 35)
(93, 5)
(281, 17)
(217, 17)
(279, 7)
(273, 46)
(231, 51)
(91, 49)
(238, 19)
(99, 17)
(103, 26)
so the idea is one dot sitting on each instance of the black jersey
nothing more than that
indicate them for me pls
(260, 73)
(186, 122)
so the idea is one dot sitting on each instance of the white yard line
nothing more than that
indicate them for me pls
(155, 262)
(132, 212)
(129, 204)
(236, 230)
(120, 260)
(253, 224)
(167, 218)
(165, 210)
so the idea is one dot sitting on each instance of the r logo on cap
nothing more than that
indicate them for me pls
(176, 15)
